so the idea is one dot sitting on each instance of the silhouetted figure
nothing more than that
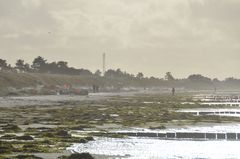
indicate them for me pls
(95, 89)
(173, 91)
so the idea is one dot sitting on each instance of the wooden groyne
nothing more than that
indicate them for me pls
(184, 135)
(212, 112)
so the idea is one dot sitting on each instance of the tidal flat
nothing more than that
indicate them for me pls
(48, 126)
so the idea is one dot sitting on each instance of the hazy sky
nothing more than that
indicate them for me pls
(151, 36)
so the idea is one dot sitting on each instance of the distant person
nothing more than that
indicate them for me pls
(173, 91)
(94, 88)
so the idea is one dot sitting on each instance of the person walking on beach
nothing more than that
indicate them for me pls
(173, 91)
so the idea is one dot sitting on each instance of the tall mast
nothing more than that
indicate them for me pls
(104, 63)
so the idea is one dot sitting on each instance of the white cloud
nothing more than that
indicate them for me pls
(164, 32)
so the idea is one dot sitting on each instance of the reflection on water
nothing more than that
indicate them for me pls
(145, 148)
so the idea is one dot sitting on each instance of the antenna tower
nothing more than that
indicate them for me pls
(104, 63)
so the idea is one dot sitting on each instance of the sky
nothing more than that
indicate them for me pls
(150, 36)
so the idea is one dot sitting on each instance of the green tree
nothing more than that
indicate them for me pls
(27, 67)
(198, 78)
(169, 76)
(98, 73)
(3, 64)
(140, 75)
(20, 65)
(39, 64)
(62, 64)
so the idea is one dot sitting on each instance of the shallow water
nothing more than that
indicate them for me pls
(146, 148)
(46, 100)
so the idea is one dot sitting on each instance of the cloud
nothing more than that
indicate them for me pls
(155, 32)
(24, 22)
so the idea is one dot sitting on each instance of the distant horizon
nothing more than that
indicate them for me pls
(161, 74)
(101, 69)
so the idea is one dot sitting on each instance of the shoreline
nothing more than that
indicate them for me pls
(49, 127)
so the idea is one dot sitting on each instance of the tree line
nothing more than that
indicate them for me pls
(41, 65)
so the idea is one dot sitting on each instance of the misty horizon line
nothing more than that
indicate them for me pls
(107, 69)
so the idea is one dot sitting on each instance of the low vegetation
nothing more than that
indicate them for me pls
(44, 129)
